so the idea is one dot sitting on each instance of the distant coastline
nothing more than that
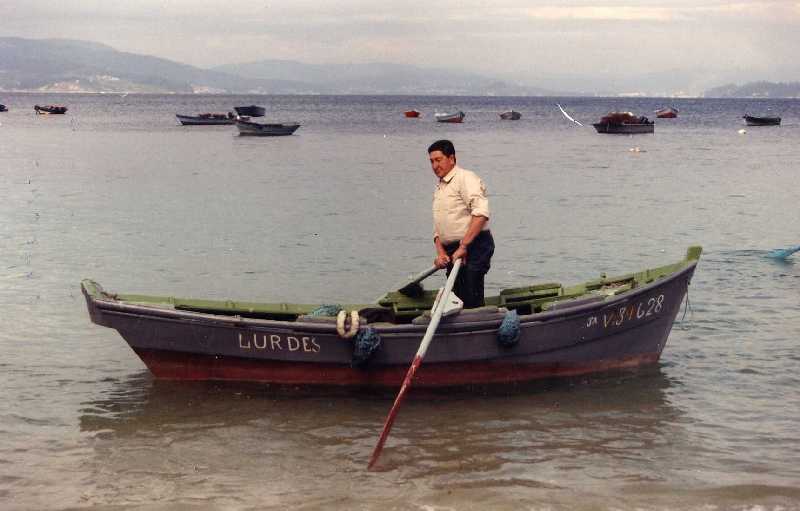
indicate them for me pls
(68, 66)
(349, 94)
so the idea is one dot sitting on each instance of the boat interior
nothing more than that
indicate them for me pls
(398, 308)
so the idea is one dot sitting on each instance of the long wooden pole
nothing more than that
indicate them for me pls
(436, 315)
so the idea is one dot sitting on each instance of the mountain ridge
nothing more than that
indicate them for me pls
(67, 65)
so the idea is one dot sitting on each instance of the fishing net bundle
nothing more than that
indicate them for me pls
(326, 310)
(365, 344)
(508, 333)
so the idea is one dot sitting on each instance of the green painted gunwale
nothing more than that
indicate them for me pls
(525, 299)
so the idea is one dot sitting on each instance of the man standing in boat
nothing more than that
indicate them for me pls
(460, 223)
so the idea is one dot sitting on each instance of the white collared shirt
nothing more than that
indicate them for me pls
(458, 197)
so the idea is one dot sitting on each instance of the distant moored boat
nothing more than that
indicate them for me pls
(624, 123)
(205, 119)
(412, 113)
(761, 121)
(457, 117)
(265, 130)
(3, 108)
(50, 109)
(510, 115)
(667, 113)
(251, 111)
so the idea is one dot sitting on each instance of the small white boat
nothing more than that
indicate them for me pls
(265, 130)
(457, 117)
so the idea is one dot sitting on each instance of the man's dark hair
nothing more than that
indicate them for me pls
(445, 146)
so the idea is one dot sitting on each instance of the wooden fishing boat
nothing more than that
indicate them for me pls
(250, 111)
(510, 115)
(413, 114)
(624, 123)
(667, 113)
(265, 130)
(751, 120)
(206, 119)
(457, 117)
(604, 324)
(50, 109)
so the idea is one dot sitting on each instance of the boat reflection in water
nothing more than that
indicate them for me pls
(208, 432)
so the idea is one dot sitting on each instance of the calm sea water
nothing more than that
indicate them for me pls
(115, 190)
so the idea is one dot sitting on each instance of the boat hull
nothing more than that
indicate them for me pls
(412, 114)
(762, 121)
(251, 111)
(667, 113)
(247, 128)
(624, 129)
(455, 118)
(625, 331)
(511, 115)
(191, 120)
(50, 109)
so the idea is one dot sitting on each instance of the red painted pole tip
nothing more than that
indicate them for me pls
(387, 426)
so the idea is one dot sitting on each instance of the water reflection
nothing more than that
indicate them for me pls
(202, 439)
(624, 417)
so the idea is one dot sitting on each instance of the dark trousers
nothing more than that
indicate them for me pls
(469, 282)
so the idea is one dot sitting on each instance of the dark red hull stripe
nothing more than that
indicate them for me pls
(186, 366)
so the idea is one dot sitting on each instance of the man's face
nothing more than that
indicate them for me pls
(441, 164)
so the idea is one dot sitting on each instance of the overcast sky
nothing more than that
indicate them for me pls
(528, 39)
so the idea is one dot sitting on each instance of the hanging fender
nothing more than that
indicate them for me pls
(341, 320)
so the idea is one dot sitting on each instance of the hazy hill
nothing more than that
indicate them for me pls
(60, 64)
(380, 78)
(68, 65)
(756, 90)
